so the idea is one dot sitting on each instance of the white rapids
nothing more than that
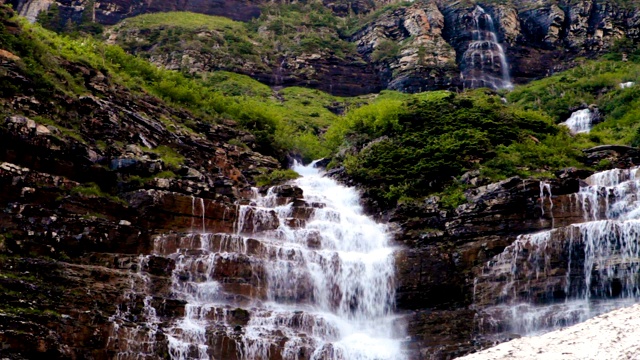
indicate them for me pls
(319, 288)
(600, 257)
(579, 122)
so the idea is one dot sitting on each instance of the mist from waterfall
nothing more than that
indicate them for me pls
(484, 63)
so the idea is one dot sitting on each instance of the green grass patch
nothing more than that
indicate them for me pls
(171, 158)
(276, 177)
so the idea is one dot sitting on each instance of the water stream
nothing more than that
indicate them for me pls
(580, 121)
(308, 279)
(484, 63)
(569, 274)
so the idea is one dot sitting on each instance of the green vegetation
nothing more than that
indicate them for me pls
(386, 50)
(278, 121)
(401, 146)
(169, 157)
(592, 82)
(409, 146)
(283, 30)
(417, 147)
(93, 190)
(276, 177)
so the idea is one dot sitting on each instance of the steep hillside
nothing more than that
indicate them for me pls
(107, 157)
(411, 47)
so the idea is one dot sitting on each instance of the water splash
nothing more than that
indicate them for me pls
(567, 275)
(579, 122)
(484, 63)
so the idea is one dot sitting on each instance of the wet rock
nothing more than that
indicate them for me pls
(157, 265)
(287, 191)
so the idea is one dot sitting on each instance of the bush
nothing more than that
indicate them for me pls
(276, 177)
(421, 145)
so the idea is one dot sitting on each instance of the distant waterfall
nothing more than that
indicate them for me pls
(569, 274)
(484, 64)
(31, 8)
(579, 122)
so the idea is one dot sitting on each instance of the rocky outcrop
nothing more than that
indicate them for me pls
(110, 12)
(412, 48)
(446, 249)
(87, 182)
(407, 48)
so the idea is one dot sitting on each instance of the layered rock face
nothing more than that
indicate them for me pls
(538, 39)
(417, 47)
(524, 257)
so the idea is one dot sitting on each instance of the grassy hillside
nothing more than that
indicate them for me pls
(285, 122)
(282, 30)
(410, 146)
(400, 146)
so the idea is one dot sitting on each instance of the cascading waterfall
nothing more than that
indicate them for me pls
(31, 8)
(316, 277)
(484, 63)
(567, 275)
(579, 122)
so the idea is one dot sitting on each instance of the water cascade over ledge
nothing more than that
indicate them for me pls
(301, 278)
(484, 63)
(569, 274)
(580, 121)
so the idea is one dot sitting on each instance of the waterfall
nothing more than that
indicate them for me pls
(579, 122)
(31, 8)
(567, 275)
(484, 63)
(304, 278)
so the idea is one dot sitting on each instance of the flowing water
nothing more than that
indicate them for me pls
(308, 279)
(31, 8)
(484, 63)
(567, 275)
(579, 122)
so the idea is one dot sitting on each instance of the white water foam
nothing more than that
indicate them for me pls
(601, 256)
(484, 62)
(579, 122)
(323, 289)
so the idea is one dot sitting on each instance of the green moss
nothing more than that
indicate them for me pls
(416, 147)
(276, 177)
(169, 156)
(452, 197)
(93, 190)
(386, 50)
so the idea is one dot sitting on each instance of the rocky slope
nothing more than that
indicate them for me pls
(87, 181)
(413, 47)
(90, 180)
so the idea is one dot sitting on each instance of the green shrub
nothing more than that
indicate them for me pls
(276, 177)
(386, 50)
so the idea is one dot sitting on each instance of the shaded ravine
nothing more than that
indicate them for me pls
(569, 274)
(302, 277)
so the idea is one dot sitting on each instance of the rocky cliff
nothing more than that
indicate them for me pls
(87, 181)
(412, 47)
